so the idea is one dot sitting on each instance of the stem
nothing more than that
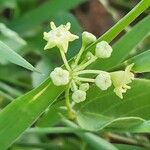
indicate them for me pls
(79, 55)
(53, 130)
(85, 79)
(88, 72)
(71, 113)
(74, 85)
(65, 60)
(86, 64)
(114, 138)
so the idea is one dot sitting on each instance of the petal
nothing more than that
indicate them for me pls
(46, 35)
(68, 26)
(73, 37)
(52, 25)
(49, 45)
(118, 91)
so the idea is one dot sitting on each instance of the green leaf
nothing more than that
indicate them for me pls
(23, 111)
(102, 109)
(142, 128)
(141, 62)
(10, 55)
(125, 45)
(124, 22)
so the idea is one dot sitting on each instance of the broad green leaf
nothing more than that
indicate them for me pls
(142, 128)
(125, 45)
(23, 111)
(10, 55)
(32, 18)
(141, 62)
(106, 109)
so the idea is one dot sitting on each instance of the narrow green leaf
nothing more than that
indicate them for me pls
(125, 21)
(141, 62)
(23, 111)
(10, 55)
(125, 45)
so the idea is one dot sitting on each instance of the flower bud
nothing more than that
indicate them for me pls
(103, 50)
(84, 87)
(89, 56)
(103, 80)
(59, 76)
(88, 38)
(79, 96)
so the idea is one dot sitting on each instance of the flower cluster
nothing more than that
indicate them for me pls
(73, 74)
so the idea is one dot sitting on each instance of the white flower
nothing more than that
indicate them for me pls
(84, 87)
(88, 38)
(103, 50)
(103, 80)
(59, 36)
(120, 79)
(79, 96)
(59, 76)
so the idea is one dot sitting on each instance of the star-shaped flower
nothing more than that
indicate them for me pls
(120, 79)
(59, 36)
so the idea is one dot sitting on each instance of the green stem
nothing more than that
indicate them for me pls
(71, 113)
(74, 85)
(65, 60)
(79, 55)
(85, 79)
(81, 67)
(120, 25)
(53, 130)
(88, 72)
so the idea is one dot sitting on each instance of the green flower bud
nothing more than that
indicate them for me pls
(59, 76)
(84, 87)
(103, 80)
(103, 50)
(79, 96)
(88, 38)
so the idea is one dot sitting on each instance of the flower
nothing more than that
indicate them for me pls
(59, 36)
(103, 50)
(103, 80)
(79, 96)
(59, 76)
(120, 79)
(84, 87)
(88, 38)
